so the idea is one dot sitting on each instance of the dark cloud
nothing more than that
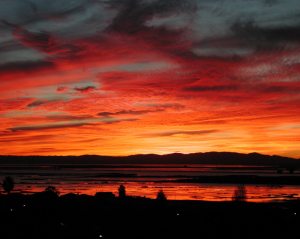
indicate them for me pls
(131, 17)
(25, 66)
(159, 108)
(42, 41)
(58, 125)
(65, 117)
(46, 126)
(131, 22)
(167, 105)
(62, 15)
(212, 88)
(8, 24)
(166, 7)
(86, 89)
(134, 13)
(251, 31)
(280, 88)
(113, 120)
(125, 112)
(265, 38)
(38, 103)
(270, 2)
(246, 37)
(220, 43)
(42, 11)
(8, 46)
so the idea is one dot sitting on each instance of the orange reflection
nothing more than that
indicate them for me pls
(176, 191)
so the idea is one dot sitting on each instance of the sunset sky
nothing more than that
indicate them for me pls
(122, 77)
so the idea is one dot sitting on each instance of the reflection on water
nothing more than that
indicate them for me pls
(175, 191)
(143, 180)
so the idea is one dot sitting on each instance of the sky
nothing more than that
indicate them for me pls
(123, 77)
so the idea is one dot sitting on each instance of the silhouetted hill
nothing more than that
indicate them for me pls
(212, 158)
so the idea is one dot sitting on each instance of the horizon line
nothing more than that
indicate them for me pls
(119, 156)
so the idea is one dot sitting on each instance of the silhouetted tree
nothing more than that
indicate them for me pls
(161, 197)
(8, 184)
(51, 190)
(46, 200)
(240, 194)
(122, 193)
(291, 170)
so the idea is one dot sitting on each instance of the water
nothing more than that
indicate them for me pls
(147, 180)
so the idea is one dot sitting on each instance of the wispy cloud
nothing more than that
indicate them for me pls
(178, 132)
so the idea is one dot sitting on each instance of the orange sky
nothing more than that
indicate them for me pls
(143, 77)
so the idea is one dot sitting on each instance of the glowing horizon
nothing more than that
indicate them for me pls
(149, 77)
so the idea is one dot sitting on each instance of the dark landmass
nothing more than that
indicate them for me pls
(82, 216)
(211, 158)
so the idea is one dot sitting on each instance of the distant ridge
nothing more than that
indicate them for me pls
(212, 158)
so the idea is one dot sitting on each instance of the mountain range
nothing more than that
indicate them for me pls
(210, 158)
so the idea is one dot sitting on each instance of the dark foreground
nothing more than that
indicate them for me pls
(73, 216)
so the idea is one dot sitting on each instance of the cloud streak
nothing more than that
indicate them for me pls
(178, 132)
